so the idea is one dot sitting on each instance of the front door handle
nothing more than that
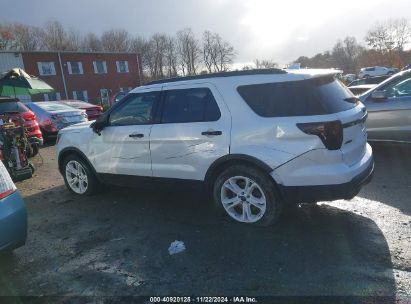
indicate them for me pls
(136, 135)
(211, 132)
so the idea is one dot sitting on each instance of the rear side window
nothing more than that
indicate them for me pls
(12, 107)
(317, 96)
(189, 105)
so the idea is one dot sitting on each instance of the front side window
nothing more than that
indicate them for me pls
(46, 68)
(189, 105)
(316, 96)
(136, 110)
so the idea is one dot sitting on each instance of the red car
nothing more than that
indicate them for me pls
(14, 109)
(93, 111)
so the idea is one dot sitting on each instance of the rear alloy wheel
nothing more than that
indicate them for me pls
(246, 195)
(78, 176)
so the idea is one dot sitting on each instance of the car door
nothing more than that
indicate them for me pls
(193, 131)
(390, 117)
(124, 145)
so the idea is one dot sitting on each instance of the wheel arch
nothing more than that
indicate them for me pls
(75, 151)
(226, 161)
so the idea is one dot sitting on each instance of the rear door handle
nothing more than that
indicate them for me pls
(211, 132)
(136, 135)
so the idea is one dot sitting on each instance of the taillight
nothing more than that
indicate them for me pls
(7, 186)
(29, 115)
(330, 132)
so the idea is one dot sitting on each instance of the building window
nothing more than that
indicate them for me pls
(52, 96)
(80, 95)
(75, 67)
(104, 95)
(46, 68)
(100, 67)
(125, 89)
(122, 66)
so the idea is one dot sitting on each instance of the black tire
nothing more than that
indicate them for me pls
(273, 203)
(35, 149)
(366, 76)
(93, 185)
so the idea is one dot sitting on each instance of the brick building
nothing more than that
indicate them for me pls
(88, 76)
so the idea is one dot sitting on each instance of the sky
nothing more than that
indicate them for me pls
(265, 29)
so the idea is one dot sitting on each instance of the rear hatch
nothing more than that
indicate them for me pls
(354, 134)
(321, 106)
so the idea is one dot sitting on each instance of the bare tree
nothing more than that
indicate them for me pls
(6, 37)
(188, 50)
(171, 57)
(91, 43)
(74, 40)
(401, 32)
(346, 54)
(115, 40)
(265, 64)
(55, 36)
(389, 35)
(26, 37)
(218, 54)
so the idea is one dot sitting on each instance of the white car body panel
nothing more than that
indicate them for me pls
(179, 150)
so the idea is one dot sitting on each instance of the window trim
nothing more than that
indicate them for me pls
(118, 66)
(160, 111)
(84, 94)
(126, 99)
(104, 67)
(70, 68)
(40, 68)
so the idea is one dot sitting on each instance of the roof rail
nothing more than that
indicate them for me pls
(221, 74)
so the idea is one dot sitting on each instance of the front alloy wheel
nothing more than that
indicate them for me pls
(76, 177)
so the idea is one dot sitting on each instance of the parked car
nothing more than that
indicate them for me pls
(389, 108)
(260, 139)
(376, 71)
(407, 67)
(360, 89)
(347, 78)
(369, 80)
(13, 215)
(54, 116)
(13, 107)
(93, 111)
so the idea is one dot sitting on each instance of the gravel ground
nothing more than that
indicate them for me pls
(116, 243)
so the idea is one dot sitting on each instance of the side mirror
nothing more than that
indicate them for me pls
(100, 124)
(379, 95)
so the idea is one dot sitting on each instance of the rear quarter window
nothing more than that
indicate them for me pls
(317, 96)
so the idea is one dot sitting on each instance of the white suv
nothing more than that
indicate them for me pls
(376, 71)
(260, 139)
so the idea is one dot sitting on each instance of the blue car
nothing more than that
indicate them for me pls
(13, 215)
